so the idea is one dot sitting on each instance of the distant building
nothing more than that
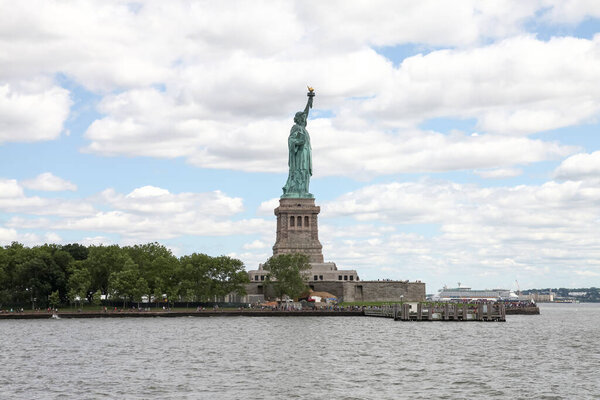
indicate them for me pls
(577, 294)
(538, 297)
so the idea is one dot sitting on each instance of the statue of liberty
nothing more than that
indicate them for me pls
(300, 155)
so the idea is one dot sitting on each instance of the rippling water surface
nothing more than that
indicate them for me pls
(555, 355)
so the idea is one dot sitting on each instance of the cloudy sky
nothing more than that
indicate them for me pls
(452, 141)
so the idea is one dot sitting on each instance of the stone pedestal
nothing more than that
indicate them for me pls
(297, 229)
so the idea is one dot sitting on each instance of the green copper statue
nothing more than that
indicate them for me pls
(300, 155)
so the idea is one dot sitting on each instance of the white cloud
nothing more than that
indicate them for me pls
(261, 146)
(499, 173)
(221, 68)
(146, 213)
(49, 182)
(355, 231)
(102, 46)
(146, 192)
(251, 259)
(387, 23)
(255, 245)
(587, 273)
(529, 231)
(52, 237)
(34, 111)
(10, 188)
(150, 200)
(14, 200)
(210, 83)
(369, 153)
(266, 207)
(571, 11)
(114, 44)
(161, 226)
(9, 235)
(42, 206)
(428, 201)
(401, 256)
(216, 123)
(95, 241)
(518, 86)
(579, 166)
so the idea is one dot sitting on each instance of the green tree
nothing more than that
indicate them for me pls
(54, 299)
(195, 277)
(78, 251)
(102, 261)
(140, 290)
(189, 296)
(97, 298)
(228, 276)
(287, 274)
(62, 260)
(158, 292)
(12, 289)
(156, 264)
(4, 278)
(169, 278)
(123, 284)
(79, 283)
(37, 275)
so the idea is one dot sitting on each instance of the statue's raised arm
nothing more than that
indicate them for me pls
(309, 103)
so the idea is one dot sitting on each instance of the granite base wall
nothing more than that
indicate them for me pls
(373, 290)
(392, 291)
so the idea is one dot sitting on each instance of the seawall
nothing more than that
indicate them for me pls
(173, 314)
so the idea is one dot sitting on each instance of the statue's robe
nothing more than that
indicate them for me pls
(299, 161)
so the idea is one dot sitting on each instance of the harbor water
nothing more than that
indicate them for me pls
(555, 355)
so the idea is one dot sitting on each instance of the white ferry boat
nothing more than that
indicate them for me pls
(466, 293)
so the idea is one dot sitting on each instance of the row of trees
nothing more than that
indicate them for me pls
(50, 274)
(589, 294)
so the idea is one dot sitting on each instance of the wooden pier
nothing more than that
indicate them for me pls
(491, 311)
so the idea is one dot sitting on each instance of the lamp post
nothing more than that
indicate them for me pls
(31, 298)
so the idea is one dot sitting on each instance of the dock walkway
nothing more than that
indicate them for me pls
(489, 312)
